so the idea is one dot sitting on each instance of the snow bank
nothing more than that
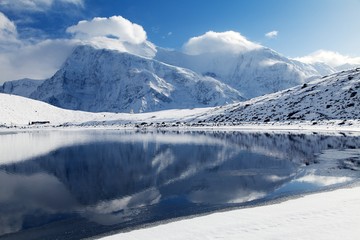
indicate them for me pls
(328, 215)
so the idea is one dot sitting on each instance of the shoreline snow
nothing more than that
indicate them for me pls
(330, 127)
(324, 215)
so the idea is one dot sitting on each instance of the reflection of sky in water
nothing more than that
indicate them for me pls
(115, 179)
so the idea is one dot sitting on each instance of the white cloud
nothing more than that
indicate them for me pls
(114, 28)
(8, 31)
(37, 61)
(40, 60)
(76, 2)
(219, 42)
(333, 59)
(35, 5)
(272, 34)
(22, 59)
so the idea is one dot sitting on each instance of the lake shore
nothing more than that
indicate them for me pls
(325, 215)
(331, 126)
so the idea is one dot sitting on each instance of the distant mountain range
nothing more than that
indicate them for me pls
(253, 73)
(99, 80)
(23, 87)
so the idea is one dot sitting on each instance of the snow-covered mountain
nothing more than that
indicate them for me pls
(149, 79)
(24, 87)
(332, 97)
(99, 80)
(253, 72)
(335, 97)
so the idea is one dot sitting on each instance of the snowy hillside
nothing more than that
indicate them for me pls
(333, 97)
(19, 111)
(103, 80)
(253, 73)
(23, 87)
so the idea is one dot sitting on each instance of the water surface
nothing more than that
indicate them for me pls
(76, 184)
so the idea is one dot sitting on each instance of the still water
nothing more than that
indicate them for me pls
(76, 184)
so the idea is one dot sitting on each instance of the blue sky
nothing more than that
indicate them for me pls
(303, 26)
(299, 27)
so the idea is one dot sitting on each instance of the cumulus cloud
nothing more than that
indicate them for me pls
(35, 5)
(219, 42)
(272, 34)
(115, 27)
(333, 59)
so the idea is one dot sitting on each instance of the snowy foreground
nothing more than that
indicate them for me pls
(326, 215)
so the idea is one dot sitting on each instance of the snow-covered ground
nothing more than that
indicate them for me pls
(16, 111)
(326, 215)
(20, 111)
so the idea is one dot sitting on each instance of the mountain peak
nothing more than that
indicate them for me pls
(99, 80)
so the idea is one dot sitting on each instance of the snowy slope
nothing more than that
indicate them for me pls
(333, 97)
(18, 111)
(252, 73)
(103, 80)
(322, 216)
(23, 87)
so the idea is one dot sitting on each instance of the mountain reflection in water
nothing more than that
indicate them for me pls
(78, 184)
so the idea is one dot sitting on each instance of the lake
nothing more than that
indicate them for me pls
(71, 184)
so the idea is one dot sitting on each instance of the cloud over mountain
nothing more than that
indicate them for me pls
(40, 59)
(112, 28)
(21, 58)
(219, 42)
(333, 59)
